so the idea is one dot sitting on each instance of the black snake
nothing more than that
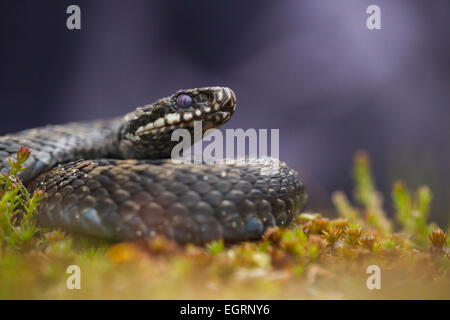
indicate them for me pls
(130, 189)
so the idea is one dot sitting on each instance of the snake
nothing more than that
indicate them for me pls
(115, 179)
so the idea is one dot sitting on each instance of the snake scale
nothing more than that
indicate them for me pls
(129, 188)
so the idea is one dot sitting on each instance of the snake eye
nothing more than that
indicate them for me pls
(184, 101)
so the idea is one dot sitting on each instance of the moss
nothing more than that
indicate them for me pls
(315, 258)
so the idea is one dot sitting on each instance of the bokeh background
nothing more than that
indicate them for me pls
(310, 68)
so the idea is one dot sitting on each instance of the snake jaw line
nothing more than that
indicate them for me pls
(187, 116)
(165, 112)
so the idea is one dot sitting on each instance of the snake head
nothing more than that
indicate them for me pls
(146, 132)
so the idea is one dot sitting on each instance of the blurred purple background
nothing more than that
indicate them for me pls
(310, 68)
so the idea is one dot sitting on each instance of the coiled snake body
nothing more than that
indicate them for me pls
(131, 189)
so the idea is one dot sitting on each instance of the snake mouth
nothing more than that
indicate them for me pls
(213, 106)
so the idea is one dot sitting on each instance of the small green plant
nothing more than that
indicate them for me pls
(365, 195)
(344, 207)
(18, 208)
(412, 211)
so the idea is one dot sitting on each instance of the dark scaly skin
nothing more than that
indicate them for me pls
(128, 199)
(131, 199)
